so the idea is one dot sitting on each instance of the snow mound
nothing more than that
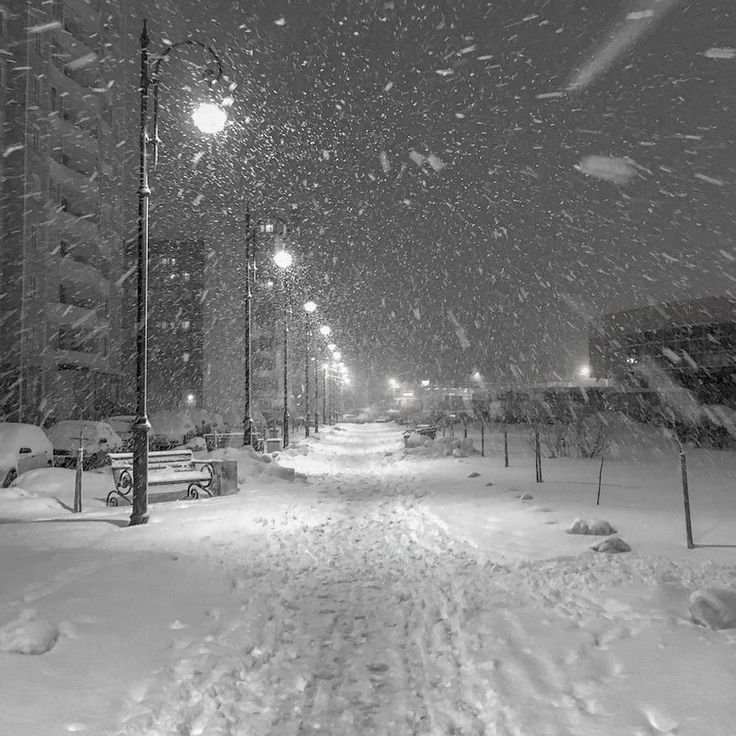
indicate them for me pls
(526, 497)
(714, 608)
(611, 545)
(28, 634)
(598, 527)
(417, 444)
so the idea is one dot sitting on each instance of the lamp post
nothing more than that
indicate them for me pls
(210, 119)
(324, 330)
(309, 308)
(283, 260)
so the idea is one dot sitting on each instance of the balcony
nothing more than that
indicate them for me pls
(86, 280)
(77, 97)
(75, 135)
(81, 18)
(74, 181)
(73, 48)
(77, 228)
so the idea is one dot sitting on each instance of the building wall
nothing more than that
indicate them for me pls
(694, 341)
(62, 236)
(175, 323)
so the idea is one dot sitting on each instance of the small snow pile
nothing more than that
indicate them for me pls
(414, 439)
(611, 545)
(28, 634)
(714, 608)
(598, 527)
(526, 497)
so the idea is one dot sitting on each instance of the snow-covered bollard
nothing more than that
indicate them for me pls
(714, 608)
(599, 527)
(611, 545)
(28, 634)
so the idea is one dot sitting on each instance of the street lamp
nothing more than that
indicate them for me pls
(205, 119)
(310, 308)
(324, 330)
(284, 260)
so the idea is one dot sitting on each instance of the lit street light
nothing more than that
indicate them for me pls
(310, 308)
(325, 331)
(284, 260)
(207, 121)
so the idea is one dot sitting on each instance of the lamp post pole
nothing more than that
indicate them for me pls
(142, 426)
(250, 247)
(286, 366)
(316, 396)
(306, 375)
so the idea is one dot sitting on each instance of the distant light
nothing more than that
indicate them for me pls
(209, 118)
(337, 355)
(425, 383)
(282, 259)
(310, 306)
(477, 376)
(393, 383)
(325, 330)
(190, 398)
(332, 347)
(584, 371)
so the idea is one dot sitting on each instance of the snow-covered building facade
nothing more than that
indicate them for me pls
(62, 224)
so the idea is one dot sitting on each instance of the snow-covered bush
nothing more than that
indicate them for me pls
(714, 608)
(28, 634)
(598, 527)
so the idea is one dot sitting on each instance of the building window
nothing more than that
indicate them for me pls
(185, 357)
(35, 89)
(36, 138)
(185, 324)
(186, 276)
(38, 43)
(34, 237)
(58, 10)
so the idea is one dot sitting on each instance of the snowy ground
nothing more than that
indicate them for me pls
(376, 592)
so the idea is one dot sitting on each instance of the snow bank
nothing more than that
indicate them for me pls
(594, 526)
(714, 608)
(28, 634)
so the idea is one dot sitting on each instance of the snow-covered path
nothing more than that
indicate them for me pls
(387, 594)
(370, 619)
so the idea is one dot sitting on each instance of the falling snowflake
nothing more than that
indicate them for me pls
(724, 52)
(608, 168)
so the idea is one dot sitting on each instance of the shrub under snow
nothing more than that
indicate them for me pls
(714, 608)
(593, 526)
(28, 634)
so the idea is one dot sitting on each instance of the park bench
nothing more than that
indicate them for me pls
(166, 467)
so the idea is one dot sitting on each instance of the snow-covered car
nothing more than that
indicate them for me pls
(123, 425)
(98, 438)
(170, 429)
(22, 447)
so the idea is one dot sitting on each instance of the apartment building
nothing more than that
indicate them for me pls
(61, 224)
(175, 324)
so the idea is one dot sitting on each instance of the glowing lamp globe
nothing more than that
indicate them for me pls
(209, 118)
(282, 259)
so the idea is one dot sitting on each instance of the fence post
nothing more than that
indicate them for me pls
(78, 481)
(482, 438)
(505, 446)
(686, 499)
(538, 456)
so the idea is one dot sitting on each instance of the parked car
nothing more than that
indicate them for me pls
(170, 429)
(123, 425)
(22, 447)
(98, 438)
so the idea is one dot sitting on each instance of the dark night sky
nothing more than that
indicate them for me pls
(498, 257)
